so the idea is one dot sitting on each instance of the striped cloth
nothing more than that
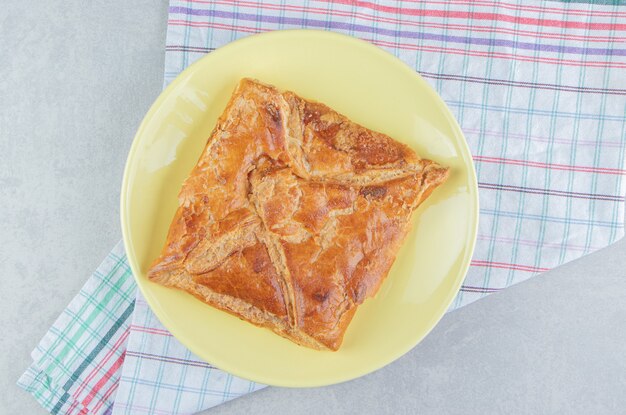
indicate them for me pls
(76, 366)
(539, 90)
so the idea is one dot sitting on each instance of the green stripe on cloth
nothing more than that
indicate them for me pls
(90, 358)
(69, 365)
(102, 304)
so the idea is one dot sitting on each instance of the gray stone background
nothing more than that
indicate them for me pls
(75, 80)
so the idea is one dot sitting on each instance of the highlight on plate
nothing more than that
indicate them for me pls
(293, 215)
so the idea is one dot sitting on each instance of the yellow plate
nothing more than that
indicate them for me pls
(372, 88)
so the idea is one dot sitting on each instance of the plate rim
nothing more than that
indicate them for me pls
(268, 379)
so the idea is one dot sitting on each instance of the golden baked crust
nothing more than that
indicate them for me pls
(293, 215)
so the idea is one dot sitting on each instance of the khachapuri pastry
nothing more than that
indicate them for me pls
(293, 215)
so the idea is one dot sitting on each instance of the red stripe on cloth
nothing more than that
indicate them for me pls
(105, 378)
(404, 22)
(106, 396)
(453, 51)
(150, 330)
(106, 358)
(448, 14)
(504, 265)
(554, 166)
(540, 9)
(96, 369)
(230, 27)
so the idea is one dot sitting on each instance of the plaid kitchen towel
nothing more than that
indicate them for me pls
(539, 90)
(76, 366)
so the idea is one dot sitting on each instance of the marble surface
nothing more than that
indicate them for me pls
(75, 80)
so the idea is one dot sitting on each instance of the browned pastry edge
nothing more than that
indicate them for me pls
(232, 305)
(169, 268)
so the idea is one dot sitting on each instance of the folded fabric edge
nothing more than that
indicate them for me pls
(472, 294)
(44, 377)
(147, 337)
(36, 382)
